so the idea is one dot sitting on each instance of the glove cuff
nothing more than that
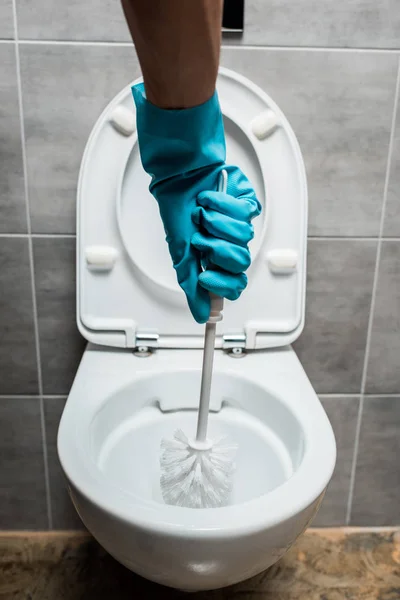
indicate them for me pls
(174, 142)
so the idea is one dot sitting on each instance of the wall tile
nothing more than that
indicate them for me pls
(12, 194)
(360, 23)
(73, 20)
(22, 482)
(18, 366)
(61, 345)
(342, 412)
(340, 106)
(357, 24)
(383, 376)
(377, 481)
(331, 98)
(392, 213)
(65, 89)
(339, 288)
(6, 20)
(63, 512)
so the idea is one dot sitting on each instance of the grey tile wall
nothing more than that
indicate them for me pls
(12, 194)
(56, 20)
(383, 375)
(377, 482)
(392, 213)
(340, 105)
(63, 513)
(65, 88)
(357, 24)
(339, 291)
(61, 345)
(22, 481)
(340, 102)
(342, 412)
(6, 20)
(18, 363)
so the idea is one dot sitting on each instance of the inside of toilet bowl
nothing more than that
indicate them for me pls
(125, 434)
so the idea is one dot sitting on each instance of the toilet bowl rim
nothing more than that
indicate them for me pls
(306, 485)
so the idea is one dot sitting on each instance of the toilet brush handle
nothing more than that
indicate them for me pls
(206, 375)
(217, 305)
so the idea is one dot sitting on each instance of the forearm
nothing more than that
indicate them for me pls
(178, 45)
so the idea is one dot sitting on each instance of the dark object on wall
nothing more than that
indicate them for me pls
(232, 18)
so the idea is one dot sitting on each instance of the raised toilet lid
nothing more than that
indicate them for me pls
(127, 292)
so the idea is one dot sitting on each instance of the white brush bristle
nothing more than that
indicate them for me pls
(196, 478)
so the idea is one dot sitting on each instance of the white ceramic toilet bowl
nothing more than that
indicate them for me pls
(121, 406)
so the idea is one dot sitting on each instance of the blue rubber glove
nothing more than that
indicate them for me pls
(184, 153)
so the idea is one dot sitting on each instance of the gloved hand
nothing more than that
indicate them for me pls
(184, 153)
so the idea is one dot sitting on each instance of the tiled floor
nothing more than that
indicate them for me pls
(325, 564)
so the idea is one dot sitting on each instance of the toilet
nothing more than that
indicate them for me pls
(139, 377)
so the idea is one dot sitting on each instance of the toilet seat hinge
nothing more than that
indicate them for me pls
(234, 344)
(146, 342)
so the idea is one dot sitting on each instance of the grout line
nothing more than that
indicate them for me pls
(14, 235)
(38, 235)
(32, 269)
(33, 396)
(332, 238)
(370, 396)
(343, 238)
(19, 396)
(354, 461)
(224, 46)
(55, 534)
(373, 299)
(261, 47)
(54, 235)
(337, 395)
(75, 43)
(353, 238)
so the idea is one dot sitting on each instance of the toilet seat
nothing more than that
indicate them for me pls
(126, 286)
(106, 374)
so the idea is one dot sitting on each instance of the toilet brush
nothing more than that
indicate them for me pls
(198, 473)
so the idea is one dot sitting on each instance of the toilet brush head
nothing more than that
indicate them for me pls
(196, 475)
